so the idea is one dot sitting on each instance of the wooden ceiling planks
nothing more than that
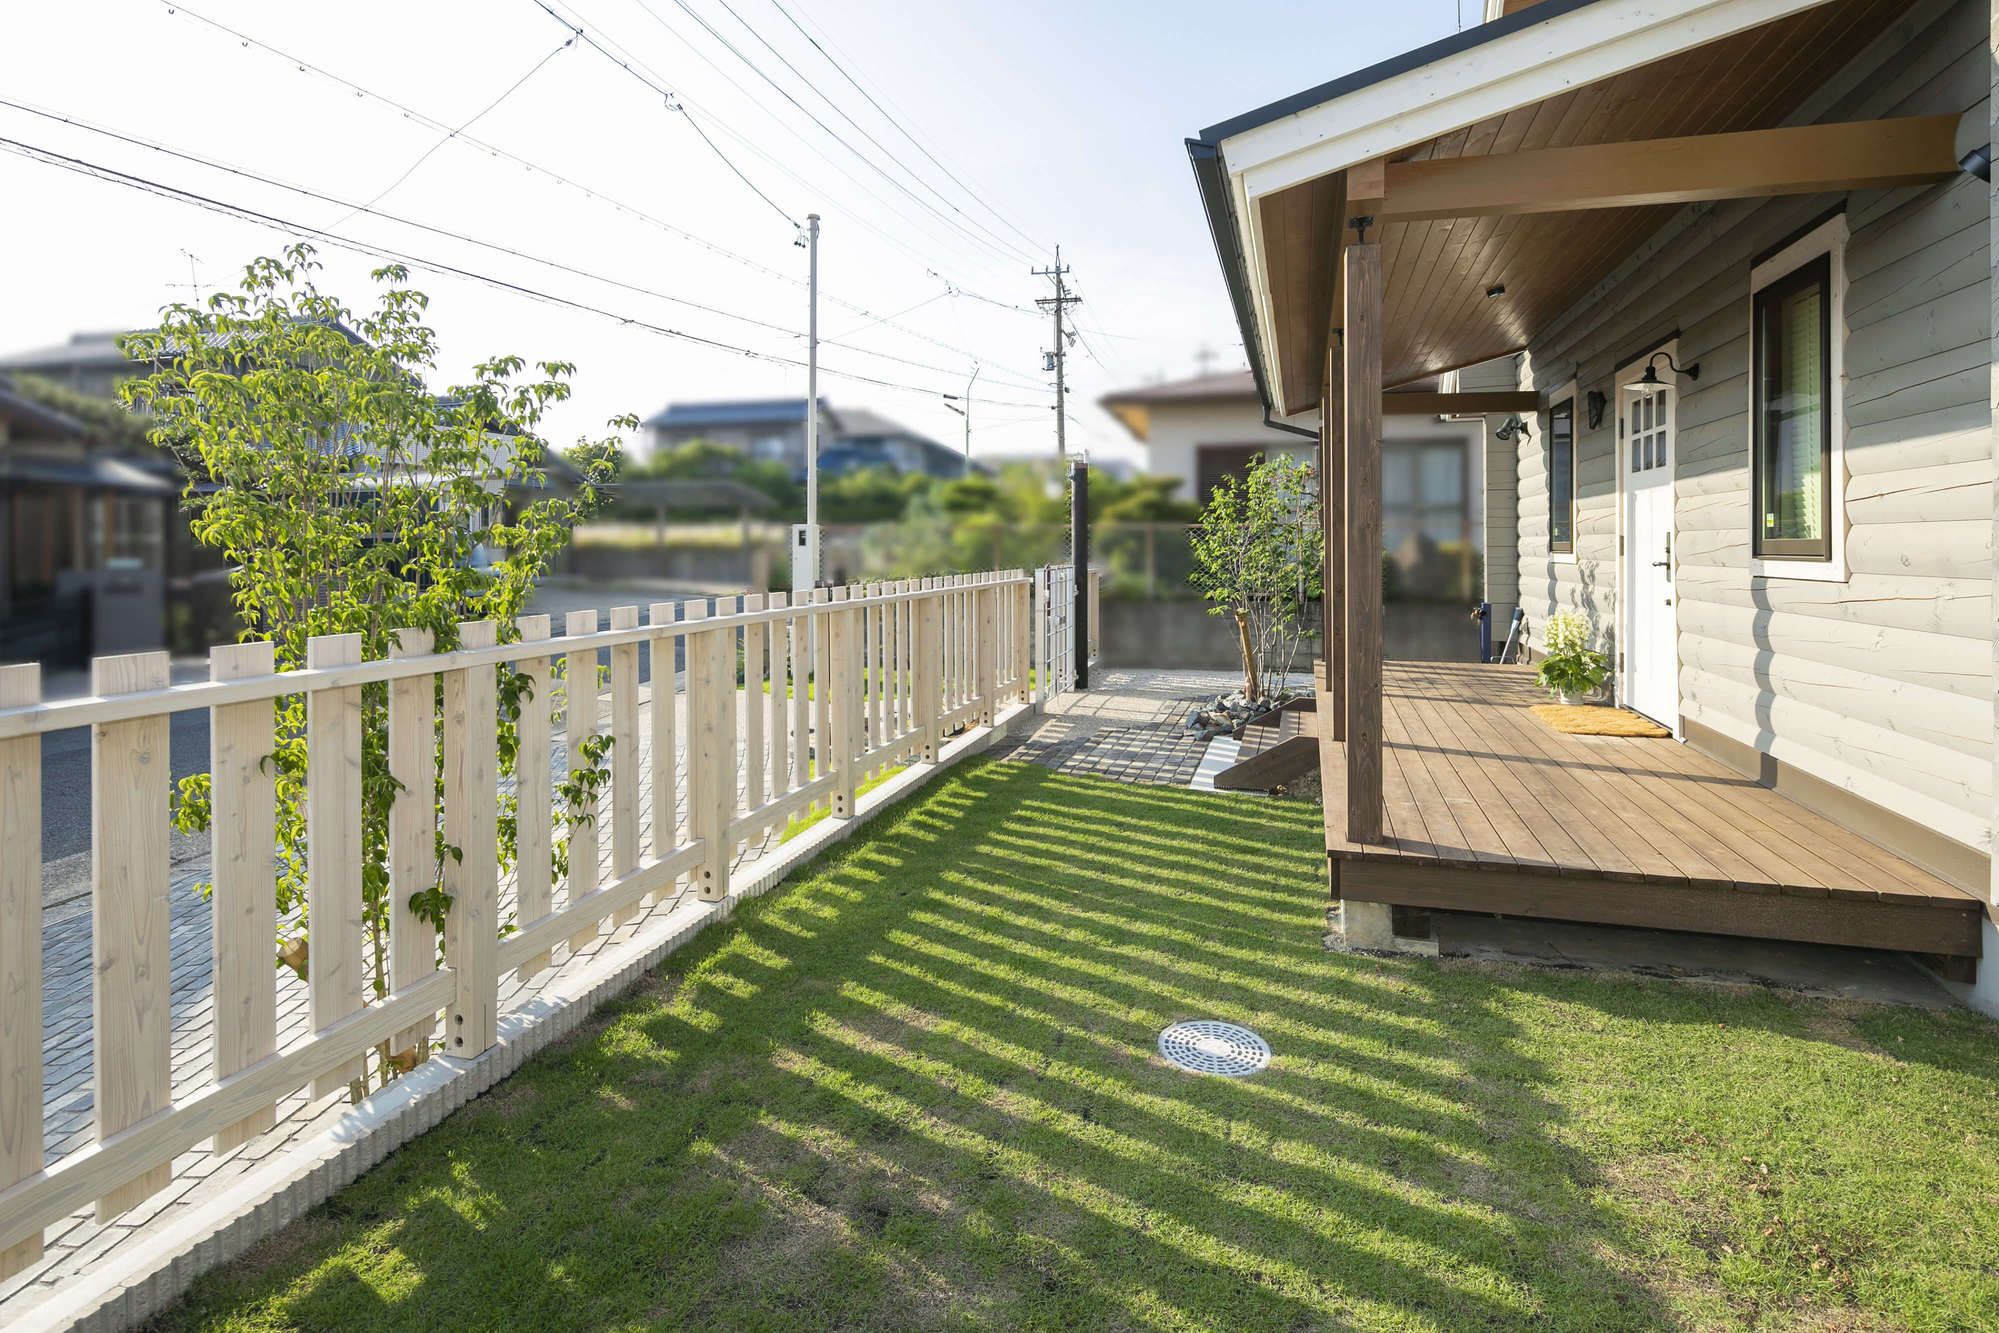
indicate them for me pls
(1437, 271)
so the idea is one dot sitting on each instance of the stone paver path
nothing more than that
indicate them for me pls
(1127, 726)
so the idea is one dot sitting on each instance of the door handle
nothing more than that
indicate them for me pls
(1660, 564)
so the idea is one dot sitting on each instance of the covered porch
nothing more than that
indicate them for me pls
(1523, 188)
(1487, 809)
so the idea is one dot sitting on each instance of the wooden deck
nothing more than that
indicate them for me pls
(1488, 809)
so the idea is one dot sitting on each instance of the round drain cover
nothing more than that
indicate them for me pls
(1207, 1046)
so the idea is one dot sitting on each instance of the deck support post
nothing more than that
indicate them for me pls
(1361, 372)
(1332, 682)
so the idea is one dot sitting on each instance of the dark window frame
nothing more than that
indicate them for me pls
(1813, 272)
(1562, 411)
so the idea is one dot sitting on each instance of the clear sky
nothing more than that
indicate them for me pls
(1061, 122)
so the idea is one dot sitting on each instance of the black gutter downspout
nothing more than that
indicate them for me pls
(1286, 426)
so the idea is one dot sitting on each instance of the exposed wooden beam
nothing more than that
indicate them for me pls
(1801, 159)
(1366, 185)
(1457, 404)
(1361, 370)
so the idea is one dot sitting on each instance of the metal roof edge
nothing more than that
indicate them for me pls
(1211, 176)
(1441, 49)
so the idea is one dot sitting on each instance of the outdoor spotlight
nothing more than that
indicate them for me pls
(1516, 428)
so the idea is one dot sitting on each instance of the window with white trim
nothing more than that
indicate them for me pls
(1796, 376)
(1793, 420)
(1562, 477)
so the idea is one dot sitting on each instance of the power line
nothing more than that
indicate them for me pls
(495, 246)
(671, 105)
(761, 103)
(113, 176)
(589, 192)
(410, 170)
(1001, 245)
(828, 130)
(900, 127)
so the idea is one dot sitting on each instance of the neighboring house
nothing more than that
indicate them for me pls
(83, 538)
(132, 559)
(92, 363)
(1754, 367)
(1203, 429)
(773, 430)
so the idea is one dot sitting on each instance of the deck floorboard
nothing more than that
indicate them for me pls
(1474, 782)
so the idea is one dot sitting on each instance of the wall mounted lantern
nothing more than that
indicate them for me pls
(1650, 382)
(1595, 402)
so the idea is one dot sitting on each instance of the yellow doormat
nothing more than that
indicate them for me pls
(1594, 720)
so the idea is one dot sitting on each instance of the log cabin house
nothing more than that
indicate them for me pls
(1740, 252)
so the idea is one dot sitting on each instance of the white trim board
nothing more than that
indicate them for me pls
(1566, 51)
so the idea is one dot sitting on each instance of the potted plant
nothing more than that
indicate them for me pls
(1570, 669)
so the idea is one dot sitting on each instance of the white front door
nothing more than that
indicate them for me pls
(1650, 678)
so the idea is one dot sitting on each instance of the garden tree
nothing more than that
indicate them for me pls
(1256, 558)
(349, 499)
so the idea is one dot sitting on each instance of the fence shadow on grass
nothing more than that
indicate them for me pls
(918, 1089)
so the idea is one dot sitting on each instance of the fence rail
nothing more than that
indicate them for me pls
(782, 705)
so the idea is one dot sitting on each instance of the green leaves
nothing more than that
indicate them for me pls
(1257, 557)
(348, 498)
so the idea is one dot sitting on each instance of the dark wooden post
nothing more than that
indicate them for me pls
(1332, 709)
(1361, 361)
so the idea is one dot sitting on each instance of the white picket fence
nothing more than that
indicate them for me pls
(893, 668)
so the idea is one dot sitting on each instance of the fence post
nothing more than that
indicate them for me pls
(755, 705)
(243, 917)
(729, 703)
(334, 905)
(535, 799)
(822, 674)
(1094, 636)
(471, 824)
(665, 762)
(20, 954)
(777, 698)
(579, 726)
(705, 820)
(844, 701)
(624, 755)
(985, 649)
(128, 908)
(926, 674)
(1023, 637)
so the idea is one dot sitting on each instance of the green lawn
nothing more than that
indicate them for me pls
(916, 1089)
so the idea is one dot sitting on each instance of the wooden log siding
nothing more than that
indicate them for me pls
(895, 662)
(1879, 685)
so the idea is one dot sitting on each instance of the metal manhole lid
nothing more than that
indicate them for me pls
(1209, 1046)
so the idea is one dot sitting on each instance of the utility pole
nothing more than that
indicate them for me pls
(805, 566)
(966, 413)
(1054, 360)
(970, 384)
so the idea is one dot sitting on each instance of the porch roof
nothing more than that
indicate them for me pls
(1564, 73)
